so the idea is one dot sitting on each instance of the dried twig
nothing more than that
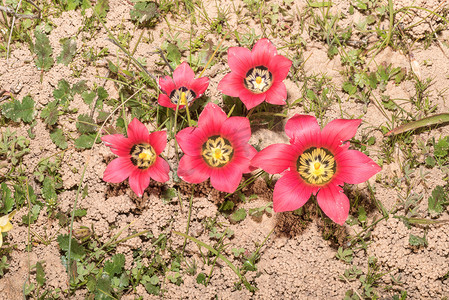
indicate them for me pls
(11, 11)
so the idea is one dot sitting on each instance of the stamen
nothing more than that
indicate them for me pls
(143, 156)
(183, 99)
(316, 166)
(258, 79)
(217, 151)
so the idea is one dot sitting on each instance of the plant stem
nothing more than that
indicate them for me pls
(188, 219)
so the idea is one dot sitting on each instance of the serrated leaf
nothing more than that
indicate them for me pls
(169, 194)
(104, 289)
(88, 98)
(349, 88)
(415, 240)
(144, 11)
(115, 264)
(68, 52)
(102, 93)
(63, 92)
(85, 124)
(78, 251)
(7, 201)
(17, 110)
(48, 190)
(43, 51)
(40, 274)
(85, 141)
(57, 136)
(79, 87)
(438, 200)
(101, 8)
(50, 113)
(238, 215)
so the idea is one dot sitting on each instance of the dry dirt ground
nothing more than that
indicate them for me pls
(299, 260)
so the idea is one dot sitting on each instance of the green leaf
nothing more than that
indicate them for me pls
(349, 88)
(227, 206)
(415, 240)
(101, 8)
(80, 87)
(17, 110)
(238, 215)
(40, 274)
(169, 194)
(50, 113)
(88, 98)
(7, 200)
(68, 51)
(428, 121)
(85, 141)
(77, 250)
(58, 137)
(438, 200)
(143, 12)
(85, 124)
(43, 51)
(173, 54)
(201, 278)
(104, 289)
(31, 217)
(63, 92)
(115, 264)
(152, 289)
(102, 93)
(48, 190)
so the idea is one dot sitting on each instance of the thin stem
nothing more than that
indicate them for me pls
(213, 55)
(188, 219)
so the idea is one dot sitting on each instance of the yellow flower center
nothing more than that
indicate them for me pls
(258, 80)
(183, 100)
(143, 155)
(182, 95)
(316, 166)
(217, 151)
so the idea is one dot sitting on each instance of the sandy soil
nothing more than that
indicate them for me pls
(297, 261)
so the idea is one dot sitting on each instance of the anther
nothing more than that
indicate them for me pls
(258, 79)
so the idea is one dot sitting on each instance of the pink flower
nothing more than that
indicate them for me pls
(317, 162)
(138, 157)
(183, 88)
(256, 75)
(218, 148)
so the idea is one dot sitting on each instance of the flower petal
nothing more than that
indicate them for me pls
(199, 86)
(190, 141)
(231, 84)
(338, 131)
(118, 170)
(251, 100)
(237, 129)
(290, 192)
(165, 101)
(251, 153)
(211, 119)
(167, 85)
(279, 67)
(193, 169)
(139, 181)
(158, 140)
(277, 94)
(303, 129)
(226, 179)
(118, 143)
(159, 170)
(275, 158)
(239, 60)
(137, 132)
(334, 203)
(6, 228)
(183, 75)
(263, 52)
(354, 167)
